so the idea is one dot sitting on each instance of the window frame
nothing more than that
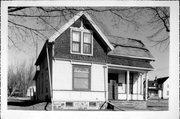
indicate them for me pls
(76, 41)
(87, 43)
(82, 31)
(89, 78)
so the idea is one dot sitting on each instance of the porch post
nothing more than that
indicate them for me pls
(127, 88)
(106, 82)
(142, 84)
(146, 91)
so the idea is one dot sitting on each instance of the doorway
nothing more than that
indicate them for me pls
(112, 86)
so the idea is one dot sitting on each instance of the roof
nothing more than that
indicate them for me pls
(126, 47)
(129, 47)
(42, 54)
(75, 18)
(36, 75)
(162, 80)
(130, 63)
(119, 47)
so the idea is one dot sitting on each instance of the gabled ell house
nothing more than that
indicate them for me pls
(81, 68)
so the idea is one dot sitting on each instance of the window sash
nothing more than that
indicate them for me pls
(76, 35)
(87, 43)
(87, 37)
(76, 46)
(87, 48)
(81, 78)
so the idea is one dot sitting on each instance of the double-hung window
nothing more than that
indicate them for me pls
(87, 43)
(76, 41)
(81, 41)
(81, 77)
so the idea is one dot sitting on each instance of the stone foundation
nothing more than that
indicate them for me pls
(78, 105)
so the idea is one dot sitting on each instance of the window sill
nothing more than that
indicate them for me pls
(81, 54)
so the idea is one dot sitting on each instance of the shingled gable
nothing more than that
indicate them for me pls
(75, 18)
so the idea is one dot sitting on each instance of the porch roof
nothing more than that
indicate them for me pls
(130, 63)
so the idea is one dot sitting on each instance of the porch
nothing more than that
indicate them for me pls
(126, 84)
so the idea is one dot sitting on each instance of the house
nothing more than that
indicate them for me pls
(81, 68)
(163, 87)
(152, 89)
(31, 91)
(159, 88)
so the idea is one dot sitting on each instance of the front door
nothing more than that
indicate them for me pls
(112, 86)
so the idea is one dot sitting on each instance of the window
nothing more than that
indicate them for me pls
(76, 41)
(81, 41)
(92, 104)
(87, 43)
(69, 104)
(81, 77)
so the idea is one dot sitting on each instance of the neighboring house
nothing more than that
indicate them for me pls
(81, 68)
(152, 89)
(163, 87)
(159, 88)
(31, 91)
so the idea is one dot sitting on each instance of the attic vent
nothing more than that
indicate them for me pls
(69, 104)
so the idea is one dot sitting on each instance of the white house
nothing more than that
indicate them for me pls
(81, 68)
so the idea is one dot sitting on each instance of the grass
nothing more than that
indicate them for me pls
(27, 104)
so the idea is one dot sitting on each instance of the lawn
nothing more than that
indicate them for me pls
(27, 104)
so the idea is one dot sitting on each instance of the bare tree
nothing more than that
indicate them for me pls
(19, 78)
(40, 22)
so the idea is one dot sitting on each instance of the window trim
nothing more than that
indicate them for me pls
(76, 41)
(89, 79)
(87, 43)
(82, 31)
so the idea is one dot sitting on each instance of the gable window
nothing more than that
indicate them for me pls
(81, 77)
(76, 41)
(81, 41)
(87, 43)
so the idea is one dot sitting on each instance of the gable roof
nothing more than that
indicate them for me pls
(162, 80)
(75, 18)
(125, 47)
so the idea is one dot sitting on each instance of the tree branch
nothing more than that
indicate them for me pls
(163, 20)
(14, 9)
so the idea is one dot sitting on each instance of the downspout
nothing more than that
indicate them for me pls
(105, 80)
(49, 72)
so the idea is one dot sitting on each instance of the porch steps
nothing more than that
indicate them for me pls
(129, 104)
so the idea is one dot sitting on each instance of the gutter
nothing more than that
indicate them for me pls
(130, 67)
